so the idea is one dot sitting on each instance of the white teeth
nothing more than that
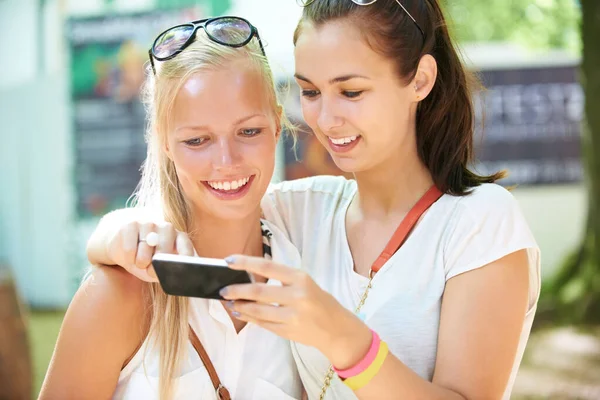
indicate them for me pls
(229, 185)
(342, 141)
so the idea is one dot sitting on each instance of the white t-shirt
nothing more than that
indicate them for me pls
(253, 364)
(456, 235)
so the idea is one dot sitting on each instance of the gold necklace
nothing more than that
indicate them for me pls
(330, 371)
(403, 230)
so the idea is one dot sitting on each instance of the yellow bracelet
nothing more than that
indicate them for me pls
(361, 380)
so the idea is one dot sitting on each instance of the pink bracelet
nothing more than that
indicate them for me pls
(365, 362)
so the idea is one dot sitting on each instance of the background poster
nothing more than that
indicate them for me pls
(108, 55)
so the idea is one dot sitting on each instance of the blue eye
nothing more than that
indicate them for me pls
(194, 142)
(251, 132)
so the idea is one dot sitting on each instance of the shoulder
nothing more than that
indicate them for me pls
(484, 226)
(113, 286)
(486, 209)
(110, 299)
(485, 205)
(485, 199)
(298, 206)
(308, 196)
(106, 322)
(301, 206)
(111, 306)
(320, 184)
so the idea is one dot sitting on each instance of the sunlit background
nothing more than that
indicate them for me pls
(71, 145)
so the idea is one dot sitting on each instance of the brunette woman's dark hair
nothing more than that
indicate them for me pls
(446, 117)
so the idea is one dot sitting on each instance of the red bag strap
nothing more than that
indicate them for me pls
(406, 226)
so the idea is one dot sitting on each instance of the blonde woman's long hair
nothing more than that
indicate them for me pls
(160, 189)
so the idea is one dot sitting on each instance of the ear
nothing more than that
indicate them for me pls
(425, 78)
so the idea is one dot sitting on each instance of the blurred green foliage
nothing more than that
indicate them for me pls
(539, 24)
(215, 7)
(43, 332)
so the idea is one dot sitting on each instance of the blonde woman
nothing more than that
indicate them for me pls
(214, 124)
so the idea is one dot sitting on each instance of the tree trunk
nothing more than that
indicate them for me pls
(575, 292)
(15, 360)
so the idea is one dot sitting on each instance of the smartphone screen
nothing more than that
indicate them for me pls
(195, 276)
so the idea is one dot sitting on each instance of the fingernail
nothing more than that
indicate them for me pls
(229, 304)
(230, 260)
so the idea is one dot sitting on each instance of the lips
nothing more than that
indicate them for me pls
(343, 141)
(230, 185)
(230, 189)
(343, 144)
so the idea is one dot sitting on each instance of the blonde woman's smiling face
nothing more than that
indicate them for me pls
(222, 137)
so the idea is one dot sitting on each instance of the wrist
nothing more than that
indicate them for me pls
(350, 345)
(98, 246)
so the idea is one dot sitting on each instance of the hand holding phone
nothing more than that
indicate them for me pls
(196, 276)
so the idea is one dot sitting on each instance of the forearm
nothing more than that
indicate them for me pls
(107, 227)
(394, 379)
(97, 243)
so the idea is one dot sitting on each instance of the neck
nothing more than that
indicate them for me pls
(392, 187)
(218, 238)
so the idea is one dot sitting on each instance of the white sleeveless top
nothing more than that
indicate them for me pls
(456, 235)
(254, 364)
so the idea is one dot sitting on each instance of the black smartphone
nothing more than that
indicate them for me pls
(195, 276)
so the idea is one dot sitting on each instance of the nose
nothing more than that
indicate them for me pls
(226, 154)
(328, 115)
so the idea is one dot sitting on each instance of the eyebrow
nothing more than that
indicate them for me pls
(338, 79)
(205, 128)
(249, 117)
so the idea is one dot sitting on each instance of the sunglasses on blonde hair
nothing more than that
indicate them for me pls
(227, 31)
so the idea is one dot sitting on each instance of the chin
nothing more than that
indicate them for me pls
(229, 213)
(348, 165)
(238, 215)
